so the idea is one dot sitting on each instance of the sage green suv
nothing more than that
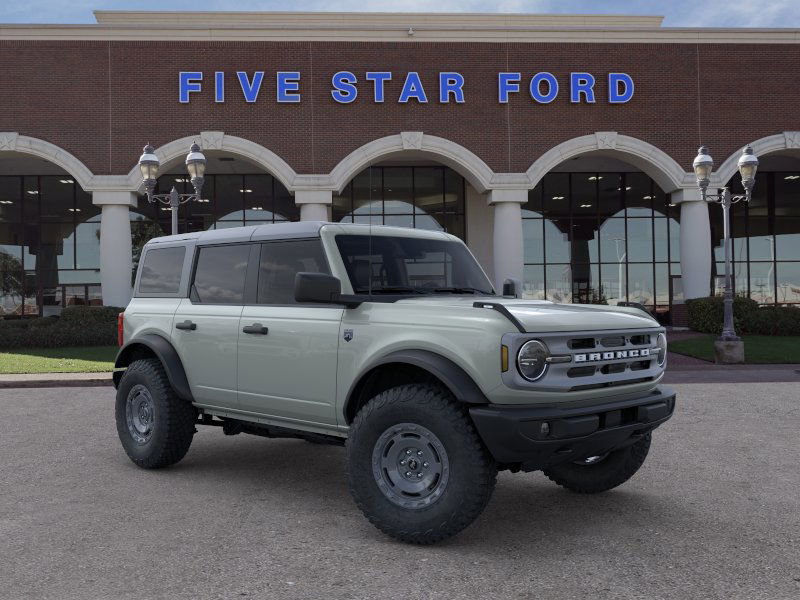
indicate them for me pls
(393, 343)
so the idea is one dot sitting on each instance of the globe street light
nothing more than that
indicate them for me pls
(195, 164)
(703, 165)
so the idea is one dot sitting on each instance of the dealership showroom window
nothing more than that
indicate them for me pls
(565, 178)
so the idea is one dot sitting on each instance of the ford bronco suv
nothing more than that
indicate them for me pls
(392, 342)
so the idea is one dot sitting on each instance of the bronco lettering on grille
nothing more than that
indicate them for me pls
(616, 355)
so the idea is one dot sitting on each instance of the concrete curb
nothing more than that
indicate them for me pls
(50, 380)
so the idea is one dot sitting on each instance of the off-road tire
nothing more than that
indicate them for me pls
(471, 475)
(173, 419)
(613, 470)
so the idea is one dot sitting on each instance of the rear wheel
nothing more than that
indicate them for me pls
(154, 425)
(602, 472)
(416, 466)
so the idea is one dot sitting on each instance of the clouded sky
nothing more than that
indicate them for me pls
(678, 13)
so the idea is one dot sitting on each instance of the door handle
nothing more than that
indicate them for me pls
(187, 325)
(257, 328)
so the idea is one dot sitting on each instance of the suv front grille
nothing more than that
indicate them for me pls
(596, 359)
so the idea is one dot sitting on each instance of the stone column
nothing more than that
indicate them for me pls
(116, 262)
(507, 244)
(314, 205)
(695, 243)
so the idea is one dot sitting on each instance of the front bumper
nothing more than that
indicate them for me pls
(534, 437)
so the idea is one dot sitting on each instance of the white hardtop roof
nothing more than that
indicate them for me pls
(290, 230)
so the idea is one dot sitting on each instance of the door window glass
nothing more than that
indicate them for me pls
(280, 262)
(220, 274)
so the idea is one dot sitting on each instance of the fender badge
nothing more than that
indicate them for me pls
(348, 335)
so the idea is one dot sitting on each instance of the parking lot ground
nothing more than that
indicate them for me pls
(714, 513)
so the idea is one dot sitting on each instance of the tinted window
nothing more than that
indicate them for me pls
(280, 262)
(161, 271)
(387, 264)
(220, 274)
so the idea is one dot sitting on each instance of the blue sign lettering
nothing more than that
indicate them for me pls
(451, 83)
(219, 86)
(536, 88)
(617, 95)
(250, 89)
(507, 83)
(543, 86)
(344, 89)
(581, 83)
(288, 86)
(378, 78)
(412, 88)
(188, 81)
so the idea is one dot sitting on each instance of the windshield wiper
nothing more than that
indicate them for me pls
(462, 290)
(390, 290)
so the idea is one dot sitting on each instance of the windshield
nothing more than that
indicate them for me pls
(408, 265)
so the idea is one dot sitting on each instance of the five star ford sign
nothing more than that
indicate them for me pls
(543, 87)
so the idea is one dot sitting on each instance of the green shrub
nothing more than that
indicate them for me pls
(775, 321)
(91, 314)
(77, 326)
(706, 315)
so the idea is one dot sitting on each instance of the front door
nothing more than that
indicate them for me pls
(288, 352)
(206, 325)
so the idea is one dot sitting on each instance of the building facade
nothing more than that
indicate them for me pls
(558, 147)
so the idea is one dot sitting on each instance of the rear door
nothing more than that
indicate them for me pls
(206, 325)
(287, 351)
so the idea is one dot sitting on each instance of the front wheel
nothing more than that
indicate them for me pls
(600, 473)
(416, 466)
(154, 425)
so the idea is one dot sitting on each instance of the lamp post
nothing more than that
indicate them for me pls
(195, 164)
(703, 165)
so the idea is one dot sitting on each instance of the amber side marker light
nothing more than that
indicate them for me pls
(121, 329)
(504, 358)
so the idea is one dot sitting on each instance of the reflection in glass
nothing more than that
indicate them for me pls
(533, 284)
(640, 284)
(762, 282)
(421, 197)
(557, 244)
(533, 240)
(640, 240)
(559, 283)
(612, 241)
(614, 282)
(788, 275)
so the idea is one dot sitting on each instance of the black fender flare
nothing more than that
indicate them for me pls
(454, 378)
(166, 353)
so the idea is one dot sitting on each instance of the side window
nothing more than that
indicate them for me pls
(280, 262)
(220, 274)
(161, 270)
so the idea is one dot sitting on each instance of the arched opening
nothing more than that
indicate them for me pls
(419, 194)
(765, 233)
(49, 238)
(418, 181)
(599, 230)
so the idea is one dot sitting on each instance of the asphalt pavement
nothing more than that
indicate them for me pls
(714, 513)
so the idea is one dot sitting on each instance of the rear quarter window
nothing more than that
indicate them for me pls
(161, 270)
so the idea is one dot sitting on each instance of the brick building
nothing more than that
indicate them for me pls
(558, 147)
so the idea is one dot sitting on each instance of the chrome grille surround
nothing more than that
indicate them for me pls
(588, 359)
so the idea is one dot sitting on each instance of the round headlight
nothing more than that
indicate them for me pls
(531, 360)
(661, 349)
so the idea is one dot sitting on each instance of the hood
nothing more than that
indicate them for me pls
(541, 316)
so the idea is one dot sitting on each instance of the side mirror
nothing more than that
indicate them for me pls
(317, 287)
